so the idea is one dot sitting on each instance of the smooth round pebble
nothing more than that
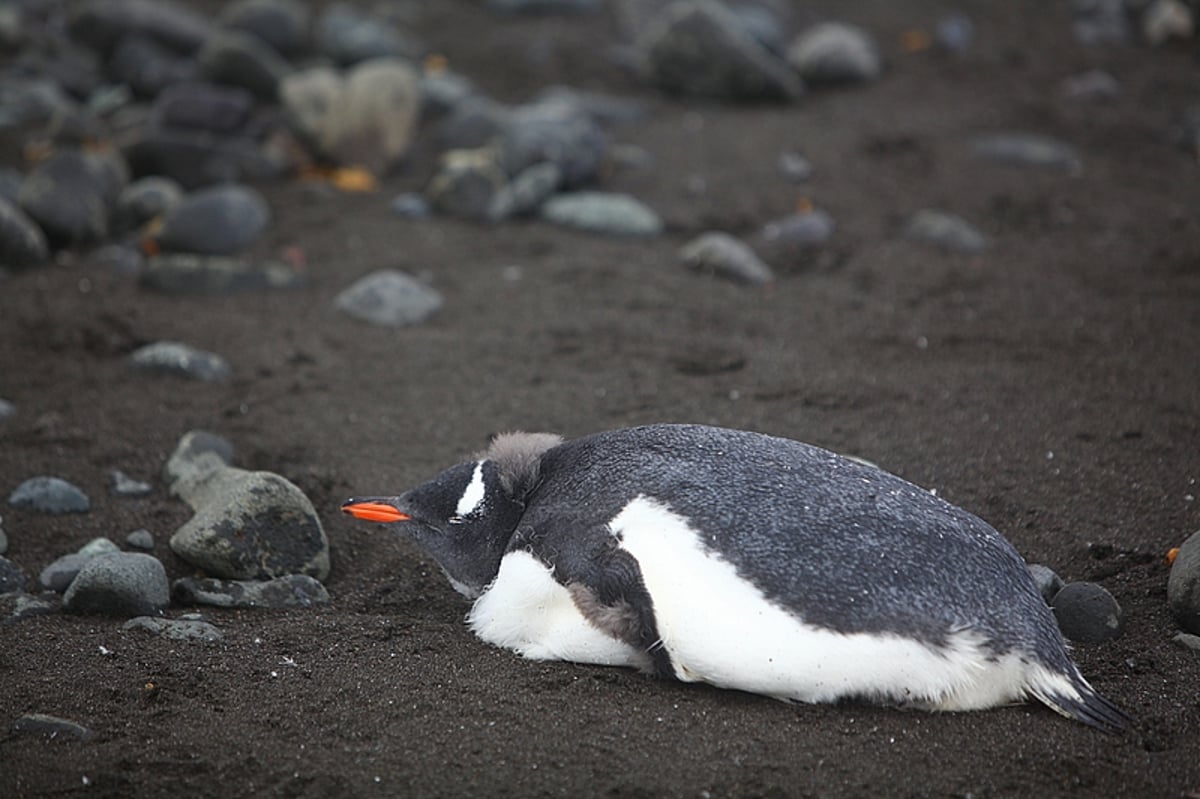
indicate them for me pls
(602, 212)
(389, 298)
(1183, 585)
(176, 358)
(50, 495)
(834, 52)
(1187, 641)
(1087, 613)
(98, 546)
(220, 220)
(409, 205)
(948, 231)
(1028, 150)
(1047, 581)
(140, 539)
(119, 584)
(7, 410)
(725, 256)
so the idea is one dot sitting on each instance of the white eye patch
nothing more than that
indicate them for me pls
(472, 497)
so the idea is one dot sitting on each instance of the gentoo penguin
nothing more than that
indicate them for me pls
(744, 561)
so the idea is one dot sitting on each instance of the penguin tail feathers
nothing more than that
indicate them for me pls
(1072, 696)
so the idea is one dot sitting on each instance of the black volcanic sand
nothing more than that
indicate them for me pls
(1049, 385)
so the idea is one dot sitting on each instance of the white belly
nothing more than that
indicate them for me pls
(720, 629)
(524, 609)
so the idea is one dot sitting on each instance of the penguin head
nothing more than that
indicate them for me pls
(465, 516)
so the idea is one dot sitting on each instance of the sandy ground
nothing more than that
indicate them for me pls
(1049, 385)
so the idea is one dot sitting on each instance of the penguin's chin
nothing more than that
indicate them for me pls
(374, 511)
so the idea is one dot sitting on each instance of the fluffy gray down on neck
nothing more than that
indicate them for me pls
(518, 456)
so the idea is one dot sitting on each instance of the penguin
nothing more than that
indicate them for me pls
(742, 560)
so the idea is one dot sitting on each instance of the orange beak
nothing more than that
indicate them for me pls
(371, 511)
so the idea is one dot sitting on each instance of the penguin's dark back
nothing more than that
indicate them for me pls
(847, 546)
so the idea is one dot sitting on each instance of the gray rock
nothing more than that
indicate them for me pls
(726, 256)
(1094, 84)
(1029, 150)
(22, 242)
(834, 52)
(526, 192)
(147, 67)
(12, 578)
(123, 260)
(442, 90)
(197, 456)
(220, 220)
(290, 591)
(71, 194)
(18, 607)
(184, 274)
(197, 158)
(1187, 641)
(51, 727)
(140, 539)
(1047, 581)
(183, 360)
(1183, 585)
(1100, 22)
(283, 24)
(251, 525)
(802, 230)
(207, 107)
(235, 58)
(101, 23)
(58, 575)
(98, 546)
(10, 183)
(389, 298)
(145, 199)
(545, 6)
(467, 183)
(1087, 613)
(945, 230)
(49, 495)
(7, 410)
(119, 584)
(477, 121)
(794, 166)
(410, 205)
(26, 102)
(367, 118)
(604, 109)
(554, 132)
(701, 48)
(349, 36)
(954, 33)
(602, 212)
(175, 629)
(125, 486)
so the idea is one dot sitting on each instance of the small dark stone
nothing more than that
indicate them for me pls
(12, 579)
(101, 23)
(147, 67)
(290, 591)
(1183, 585)
(22, 242)
(71, 193)
(58, 575)
(349, 36)
(173, 357)
(140, 539)
(220, 220)
(240, 59)
(1087, 613)
(283, 24)
(1047, 581)
(125, 486)
(52, 727)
